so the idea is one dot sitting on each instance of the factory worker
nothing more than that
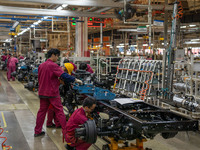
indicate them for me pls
(21, 57)
(51, 111)
(48, 77)
(11, 67)
(67, 61)
(87, 67)
(78, 118)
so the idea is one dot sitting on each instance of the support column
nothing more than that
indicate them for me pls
(81, 43)
(166, 46)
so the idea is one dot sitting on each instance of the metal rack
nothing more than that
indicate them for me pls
(138, 77)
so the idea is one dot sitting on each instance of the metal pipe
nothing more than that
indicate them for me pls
(51, 12)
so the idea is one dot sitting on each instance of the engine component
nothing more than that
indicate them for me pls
(186, 103)
(87, 132)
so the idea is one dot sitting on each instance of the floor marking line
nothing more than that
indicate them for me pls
(4, 120)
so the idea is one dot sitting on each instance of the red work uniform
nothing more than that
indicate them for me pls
(21, 57)
(75, 68)
(89, 69)
(12, 67)
(52, 116)
(78, 118)
(48, 78)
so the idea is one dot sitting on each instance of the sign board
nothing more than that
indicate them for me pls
(158, 22)
(142, 29)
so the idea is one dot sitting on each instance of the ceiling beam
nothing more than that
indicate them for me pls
(95, 3)
(50, 12)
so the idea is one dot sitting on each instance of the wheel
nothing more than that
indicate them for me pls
(105, 147)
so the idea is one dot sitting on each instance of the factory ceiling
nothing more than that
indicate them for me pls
(28, 11)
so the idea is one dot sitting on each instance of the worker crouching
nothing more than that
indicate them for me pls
(78, 118)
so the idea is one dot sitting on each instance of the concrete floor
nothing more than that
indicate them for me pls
(18, 109)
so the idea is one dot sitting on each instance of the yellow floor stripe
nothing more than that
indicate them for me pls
(4, 121)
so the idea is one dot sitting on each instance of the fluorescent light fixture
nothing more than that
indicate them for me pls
(15, 24)
(109, 45)
(64, 5)
(134, 45)
(44, 50)
(195, 40)
(183, 27)
(59, 8)
(127, 30)
(35, 23)
(192, 25)
(190, 42)
(121, 44)
(39, 21)
(46, 17)
(145, 45)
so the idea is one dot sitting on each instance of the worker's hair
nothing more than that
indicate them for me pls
(83, 66)
(53, 51)
(89, 101)
(66, 61)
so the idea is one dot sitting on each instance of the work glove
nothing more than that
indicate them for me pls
(79, 81)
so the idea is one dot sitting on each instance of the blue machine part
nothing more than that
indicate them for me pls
(84, 89)
(98, 93)
(23, 67)
(35, 71)
(103, 94)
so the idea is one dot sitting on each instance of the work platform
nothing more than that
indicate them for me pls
(18, 109)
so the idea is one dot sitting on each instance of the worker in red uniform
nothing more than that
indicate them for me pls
(68, 68)
(48, 77)
(21, 57)
(11, 66)
(78, 118)
(67, 61)
(87, 67)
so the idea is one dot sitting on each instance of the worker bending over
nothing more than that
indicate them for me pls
(48, 77)
(78, 118)
(86, 67)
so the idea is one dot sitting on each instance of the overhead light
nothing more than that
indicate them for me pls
(145, 45)
(39, 21)
(192, 25)
(64, 5)
(195, 40)
(109, 45)
(15, 24)
(44, 50)
(190, 42)
(121, 44)
(183, 27)
(46, 17)
(35, 23)
(59, 8)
